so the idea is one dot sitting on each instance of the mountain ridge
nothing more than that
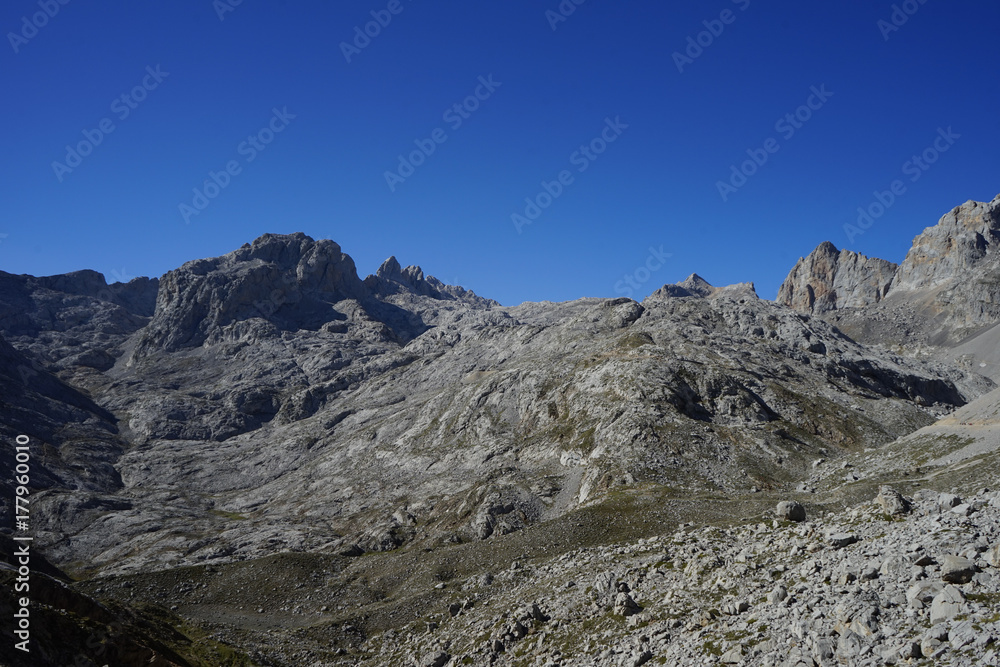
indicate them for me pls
(269, 409)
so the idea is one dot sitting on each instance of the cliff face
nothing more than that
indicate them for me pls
(947, 288)
(829, 279)
(962, 244)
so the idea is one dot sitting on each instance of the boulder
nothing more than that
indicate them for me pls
(892, 502)
(791, 510)
(957, 570)
(947, 604)
(625, 605)
(841, 540)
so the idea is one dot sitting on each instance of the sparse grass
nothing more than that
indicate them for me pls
(711, 648)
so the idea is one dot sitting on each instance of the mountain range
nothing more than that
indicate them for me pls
(263, 458)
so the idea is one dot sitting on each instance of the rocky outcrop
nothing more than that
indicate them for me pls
(829, 279)
(76, 324)
(75, 441)
(945, 291)
(693, 285)
(391, 279)
(289, 282)
(960, 246)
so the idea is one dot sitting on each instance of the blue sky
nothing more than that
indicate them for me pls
(553, 87)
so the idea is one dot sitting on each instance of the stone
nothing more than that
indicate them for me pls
(992, 555)
(735, 608)
(910, 650)
(962, 634)
(841, 540)
(624, 605)
(947, 604)
(733, 656)
(947, 501)
(642, 657)
(922, 593)
(824, 652)
(791, 510)
(957, 570)
(435, 659)
(892, 502)
(932, 648)
(536, 613)
(849, 645)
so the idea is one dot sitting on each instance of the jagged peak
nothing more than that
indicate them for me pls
(827, 248)
(390, 269)
(694, 280)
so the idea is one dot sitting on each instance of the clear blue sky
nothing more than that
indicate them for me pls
(324, 172)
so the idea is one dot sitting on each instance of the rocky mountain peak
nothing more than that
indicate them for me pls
(696, 286)
(390, 269)
(411, 277)
(391, 280)
(962, 239)
(290, 280)
(829, 279)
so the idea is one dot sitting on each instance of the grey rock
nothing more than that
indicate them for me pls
(947, 604)
(829, 279)
(892, 502)
(947, 501)
(922, 593)
(735, 608)
(625, 606)
(824, 652)
(841, 540)
(778, 594)
(993, 555)
(733, 656)
(435, 659)
(932, 648)
(962, 634)
(791, 510)
(910, 650)
(957, 570)
(642, 657)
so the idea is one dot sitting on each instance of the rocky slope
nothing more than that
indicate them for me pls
(274, 386)
(883, 583)
(293, 458)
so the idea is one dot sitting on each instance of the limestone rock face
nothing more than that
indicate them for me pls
(74, 323)
(292, 282)
(829, 279)
(964, 238)
(84, 440)
(392, 279)
(946, 290)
